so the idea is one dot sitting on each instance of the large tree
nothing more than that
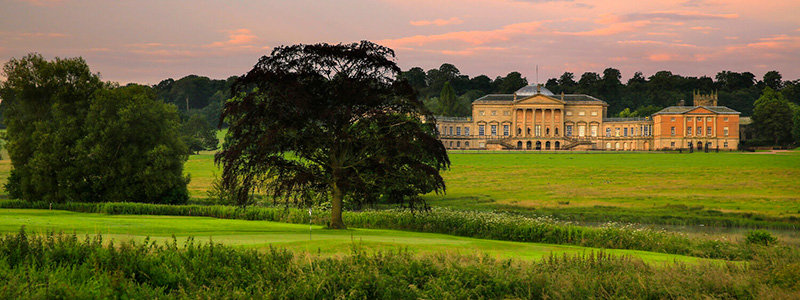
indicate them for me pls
(73, 138)
(329, 120)
(772, 117)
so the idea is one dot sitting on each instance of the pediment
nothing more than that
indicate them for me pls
(539, 99)
(700, 110)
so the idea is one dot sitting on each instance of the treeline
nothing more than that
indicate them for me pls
(448, 92)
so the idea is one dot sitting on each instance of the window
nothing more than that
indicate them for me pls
(699, 131)
(624, 131)
(673, 131)
(708, 119)
(481, 145)
(458, 130)
(569, 130)
(688, 130)
(581, 113)
(451, 130)
(672, 119)
(481, 130)
(569, 113)
(725, 145)
(581, 130)
(494, 130)
(466, 144)
(505, 130)
(725, 119)
(672, 144)
(537, 130)
(481, 113)
(506, 112)
(699, 119)
(593, 130)
(616, 132)
(646, 130)
(725, 131)
(466, 131)
(458, 144)
(709, 131)
(594, 113)
(494, 112)
(608, 131)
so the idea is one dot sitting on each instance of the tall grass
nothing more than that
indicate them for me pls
(59, 266)
(485, 225)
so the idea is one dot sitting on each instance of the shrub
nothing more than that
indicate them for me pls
(760, 237)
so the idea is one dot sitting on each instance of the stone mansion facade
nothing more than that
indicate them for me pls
(533, 118)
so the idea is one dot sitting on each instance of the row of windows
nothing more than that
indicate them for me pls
(699, 145)
(583, 113)
(493, 128)
(644, 130)
(458, 144)
(699, 131)
(700, 119)
(445, 130)
(494, 112)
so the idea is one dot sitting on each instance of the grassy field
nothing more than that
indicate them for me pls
(262, 234)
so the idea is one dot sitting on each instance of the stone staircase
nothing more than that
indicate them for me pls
(505, 143)
(573, 142)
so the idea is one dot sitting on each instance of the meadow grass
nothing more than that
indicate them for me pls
(58, 266)
(296, 237)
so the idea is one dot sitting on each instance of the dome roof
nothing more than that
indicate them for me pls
(533, 90)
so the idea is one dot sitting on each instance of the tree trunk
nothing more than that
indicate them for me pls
(336, 207)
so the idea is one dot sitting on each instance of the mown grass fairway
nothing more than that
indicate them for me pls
(261, 234)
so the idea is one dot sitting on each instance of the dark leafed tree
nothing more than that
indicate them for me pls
(329, 120)
(772, 117)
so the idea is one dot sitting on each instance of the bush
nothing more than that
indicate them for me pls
(760, 237)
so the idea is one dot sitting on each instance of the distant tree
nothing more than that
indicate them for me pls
(482, 83)
(199, 134)
(448, 100)
(646, 111)
(795, 122)
(416, 77)
(567, 81)
(588, 83)
(72, 138)
(512, 82)
(773, 80)
(772, 117)
(626, 113)
(330, 120)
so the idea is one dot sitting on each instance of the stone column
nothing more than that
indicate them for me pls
(553, 122)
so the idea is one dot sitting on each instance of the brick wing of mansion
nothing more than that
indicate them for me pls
(534, 118)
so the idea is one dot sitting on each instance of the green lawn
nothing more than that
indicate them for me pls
(730, 182)
(261, 234)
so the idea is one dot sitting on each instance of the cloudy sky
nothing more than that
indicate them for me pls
(146, 41)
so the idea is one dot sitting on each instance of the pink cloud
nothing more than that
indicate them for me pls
(731, 37)
(437, 22)
(239, 37)
(43, 2)
(662, 33)
(33, 34)
(469, 37)
(701, 28)
(612, 29)
(688, 14)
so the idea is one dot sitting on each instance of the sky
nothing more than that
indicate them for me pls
(146, 41)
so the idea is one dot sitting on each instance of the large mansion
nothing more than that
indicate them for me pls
(534, 118)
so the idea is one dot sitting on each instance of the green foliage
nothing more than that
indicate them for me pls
(198, 134)
(56, 266)
(760, 237)
(329, 120)
(72, 138)
(772, 117)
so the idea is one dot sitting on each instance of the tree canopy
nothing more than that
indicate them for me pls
(330, 121)
(772, 117)
(71, 137)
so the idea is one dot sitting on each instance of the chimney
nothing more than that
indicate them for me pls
(562, 95)
(681, 103)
